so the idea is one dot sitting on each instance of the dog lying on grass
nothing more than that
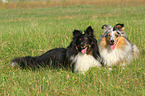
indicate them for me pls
(81, 54)
(114, 46)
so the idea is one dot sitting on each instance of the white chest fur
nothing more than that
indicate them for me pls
(117, 56)
(83, 62)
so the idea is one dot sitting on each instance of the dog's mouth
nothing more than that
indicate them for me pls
(112, 46)
(85, 49)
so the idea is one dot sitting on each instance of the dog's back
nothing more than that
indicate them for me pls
(52, 58)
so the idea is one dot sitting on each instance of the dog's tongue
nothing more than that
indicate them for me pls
(84, 51)
(112, 46)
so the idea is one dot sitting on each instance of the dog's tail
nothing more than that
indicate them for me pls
(24, 62)
(135, 51)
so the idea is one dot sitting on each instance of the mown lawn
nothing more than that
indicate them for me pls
(35, 31)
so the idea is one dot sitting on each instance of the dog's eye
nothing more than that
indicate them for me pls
(116, 35)
(109, 35)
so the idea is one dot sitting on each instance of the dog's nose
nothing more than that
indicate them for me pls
(82, 44)
(112, 41)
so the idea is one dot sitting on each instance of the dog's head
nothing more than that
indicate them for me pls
(83, 42)
(114, 35)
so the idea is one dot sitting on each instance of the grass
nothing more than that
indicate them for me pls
(34, 31)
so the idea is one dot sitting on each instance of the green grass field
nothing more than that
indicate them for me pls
(35, 31)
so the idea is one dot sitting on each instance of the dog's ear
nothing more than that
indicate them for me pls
(89, 31)
(119, 26)
(76, 33)
(105, 26)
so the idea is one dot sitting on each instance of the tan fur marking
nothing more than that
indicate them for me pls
(90, 51)
(120, 42)
(118, 26)
(109, 34)
(104, 42)
(116, 34)
(104, 27)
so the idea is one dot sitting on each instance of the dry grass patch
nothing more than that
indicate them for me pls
(45, 4)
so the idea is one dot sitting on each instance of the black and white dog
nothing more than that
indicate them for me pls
(82, 53)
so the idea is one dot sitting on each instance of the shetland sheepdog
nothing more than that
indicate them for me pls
(83, 51)
(81, 54)
(114, 46)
